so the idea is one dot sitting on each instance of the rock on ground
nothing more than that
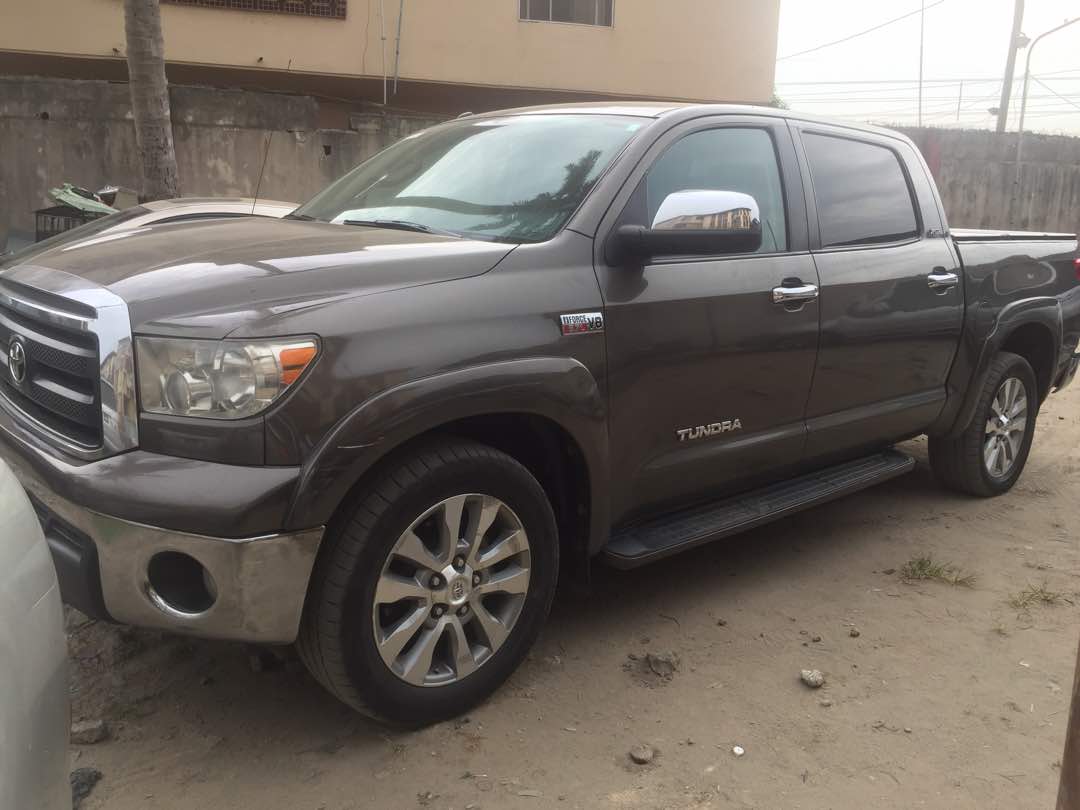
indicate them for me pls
(663, 665)
(89, 732)
(82, 782)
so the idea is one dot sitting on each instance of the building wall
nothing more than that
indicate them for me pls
(976, 173)
(677, 49)
(56, 130)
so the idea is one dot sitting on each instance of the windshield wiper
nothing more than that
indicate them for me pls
(400, 225)
(301, 217)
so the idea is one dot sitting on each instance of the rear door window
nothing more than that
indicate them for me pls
(861, 192)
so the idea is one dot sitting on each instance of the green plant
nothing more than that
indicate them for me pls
(927, 568)
(1034, 595)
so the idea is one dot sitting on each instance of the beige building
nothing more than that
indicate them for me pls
(284, 96)
(446, 55)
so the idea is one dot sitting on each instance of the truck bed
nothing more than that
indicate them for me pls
(977, 235)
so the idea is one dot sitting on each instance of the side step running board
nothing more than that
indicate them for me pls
(660, 537)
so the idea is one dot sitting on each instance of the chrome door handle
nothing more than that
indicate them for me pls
(941, 281)
(794, 295)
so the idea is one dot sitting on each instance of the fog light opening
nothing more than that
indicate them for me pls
(180, 584)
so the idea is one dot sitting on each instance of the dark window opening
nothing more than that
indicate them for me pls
(582, 12)
(334, 9)
(861, 192)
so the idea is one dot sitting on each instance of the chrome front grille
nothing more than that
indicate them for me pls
(66, 368)
(59, 386)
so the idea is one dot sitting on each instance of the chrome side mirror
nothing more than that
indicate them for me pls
(728, 211)
(692, 223)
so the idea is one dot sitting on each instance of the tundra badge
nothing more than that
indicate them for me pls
(701, 431)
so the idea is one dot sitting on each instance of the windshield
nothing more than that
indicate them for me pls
(512, 179)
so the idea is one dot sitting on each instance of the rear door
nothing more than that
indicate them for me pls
(891, 301)
(708, 376)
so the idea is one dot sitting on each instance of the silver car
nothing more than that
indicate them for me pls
(34, 713)
(187, 209)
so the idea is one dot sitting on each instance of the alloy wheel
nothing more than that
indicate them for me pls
(451, 590)
(1006, 426)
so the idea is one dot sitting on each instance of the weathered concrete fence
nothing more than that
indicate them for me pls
(52, 130)
(976, 172)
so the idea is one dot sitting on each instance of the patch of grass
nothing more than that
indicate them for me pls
(927, 568)
(1034, 595)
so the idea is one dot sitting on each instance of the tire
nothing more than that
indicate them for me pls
(348, 641)
(962, 463)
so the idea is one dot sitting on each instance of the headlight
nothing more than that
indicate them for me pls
(227, 379)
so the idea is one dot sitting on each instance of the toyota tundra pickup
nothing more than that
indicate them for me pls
(381, 427)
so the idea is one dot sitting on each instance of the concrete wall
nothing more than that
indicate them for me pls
(976, 172)
(683, 49)
(55, 130)
(52, 130)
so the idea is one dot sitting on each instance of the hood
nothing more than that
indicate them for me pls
(206, 279)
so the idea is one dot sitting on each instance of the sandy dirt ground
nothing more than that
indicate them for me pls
(948, 696)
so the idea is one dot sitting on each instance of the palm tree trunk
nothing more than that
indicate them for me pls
(150, 100)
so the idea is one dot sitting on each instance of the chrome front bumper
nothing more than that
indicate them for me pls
(258, 583)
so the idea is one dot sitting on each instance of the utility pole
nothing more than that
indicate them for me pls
(922, 39)
(1010, 65)
(1023, 99)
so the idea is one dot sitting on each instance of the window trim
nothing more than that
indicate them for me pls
(785, 197)
(811, 193)
(596, 15)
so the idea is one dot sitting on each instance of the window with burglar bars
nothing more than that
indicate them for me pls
(333, 9)
(583, 12)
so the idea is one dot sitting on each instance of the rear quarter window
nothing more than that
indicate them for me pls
(861, 192)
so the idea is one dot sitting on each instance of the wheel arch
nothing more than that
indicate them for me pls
(1031, 328)
(1035, 343)
(548, 413)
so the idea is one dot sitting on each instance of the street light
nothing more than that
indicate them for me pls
(1023, 100)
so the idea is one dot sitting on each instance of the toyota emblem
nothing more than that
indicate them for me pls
(17, 360)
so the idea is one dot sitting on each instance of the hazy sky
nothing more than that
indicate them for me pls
(874, 77)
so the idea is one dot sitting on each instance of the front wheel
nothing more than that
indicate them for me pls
(989, 456)
(428, 598)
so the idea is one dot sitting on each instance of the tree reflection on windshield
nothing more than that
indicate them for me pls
(513, 179)
(547, 210)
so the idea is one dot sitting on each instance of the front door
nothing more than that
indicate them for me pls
(708, 377)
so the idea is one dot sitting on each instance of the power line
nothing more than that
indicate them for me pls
(930, 99)
(1052, 90)
(860, 33)
(915, 80)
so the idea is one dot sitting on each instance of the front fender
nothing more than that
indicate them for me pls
(558, 388)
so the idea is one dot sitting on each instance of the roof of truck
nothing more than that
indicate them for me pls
(664, 109)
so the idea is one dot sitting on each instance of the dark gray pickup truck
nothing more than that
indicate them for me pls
(507, 345)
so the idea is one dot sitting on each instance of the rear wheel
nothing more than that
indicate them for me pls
(431, 594)
(989, 456)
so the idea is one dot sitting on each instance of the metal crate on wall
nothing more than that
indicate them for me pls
(59, 218)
